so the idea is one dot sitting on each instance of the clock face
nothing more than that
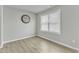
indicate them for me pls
(25, 19)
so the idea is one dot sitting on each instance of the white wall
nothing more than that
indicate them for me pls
(69, 26)
(13, 27)
(0, 25)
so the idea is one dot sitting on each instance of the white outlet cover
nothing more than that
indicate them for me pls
(73, 41)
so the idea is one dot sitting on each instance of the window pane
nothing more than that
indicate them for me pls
(54, 17)
(44, 27)
(44, 23)
(54, 22)
(54, 28)
(44, 19)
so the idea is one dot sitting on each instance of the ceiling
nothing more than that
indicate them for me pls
(33, 8)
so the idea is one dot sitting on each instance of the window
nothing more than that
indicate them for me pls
(51, 22)
(44, 23)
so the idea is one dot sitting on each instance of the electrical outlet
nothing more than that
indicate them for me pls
(73, 41)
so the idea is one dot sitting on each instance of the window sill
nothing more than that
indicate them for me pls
(57, 33)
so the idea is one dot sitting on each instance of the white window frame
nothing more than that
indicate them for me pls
(54, 24)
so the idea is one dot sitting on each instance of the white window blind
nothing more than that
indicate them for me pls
(51, 22)
(44, 23)
(54, 22)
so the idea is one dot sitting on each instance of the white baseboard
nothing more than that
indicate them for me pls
(17, 39)
(60, 43)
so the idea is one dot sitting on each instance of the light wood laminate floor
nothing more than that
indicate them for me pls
(34, 45)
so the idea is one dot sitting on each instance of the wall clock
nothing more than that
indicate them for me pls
(25, 18)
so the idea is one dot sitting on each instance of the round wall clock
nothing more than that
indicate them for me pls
(25, 18)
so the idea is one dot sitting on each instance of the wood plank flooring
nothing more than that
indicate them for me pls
(34, 45)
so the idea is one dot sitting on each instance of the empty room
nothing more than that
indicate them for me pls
(39, 28)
